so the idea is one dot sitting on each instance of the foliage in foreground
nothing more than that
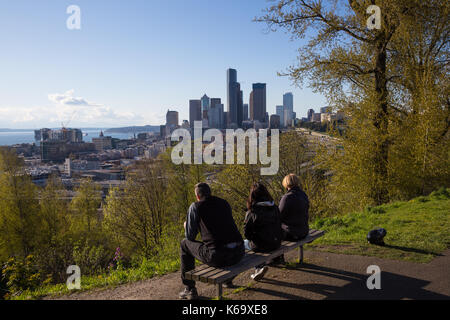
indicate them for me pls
(146, 270)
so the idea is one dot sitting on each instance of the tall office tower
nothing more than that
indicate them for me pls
(172, 118)
(317, 117)
(275, 121)
(215, 118)
(280, 112)
(206, 103)
(310, 115)
(245, 111)
(286, 117)
(162, 131)
(288, 103)
(214, 101)
(225, 120)
(195, 111)
(240, 107)
(233, 89)
(171, 121)
(258, 102)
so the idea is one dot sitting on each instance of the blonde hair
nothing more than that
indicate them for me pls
(291, 181)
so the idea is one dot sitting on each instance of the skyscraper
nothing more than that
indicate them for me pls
(214, 101)
(240, 107)
(288, 104)
(245, 111)
(286, 117)
(310, 115)
(225, 120)
(172, 118)
(195, 111)
(215, 114)
(206, 103)
(274, 121)
(258, 102)
(233, 89)
(280, 113)
(171, 121)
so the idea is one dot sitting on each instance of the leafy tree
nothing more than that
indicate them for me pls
(137, 216)
(54, 252)
(358, 69)
(85, 210)
(20, 222)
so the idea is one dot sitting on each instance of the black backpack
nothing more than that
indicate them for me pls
(376, 236)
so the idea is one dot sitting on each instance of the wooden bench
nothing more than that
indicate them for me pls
(218, 276)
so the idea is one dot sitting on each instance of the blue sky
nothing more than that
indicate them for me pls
(133, 60)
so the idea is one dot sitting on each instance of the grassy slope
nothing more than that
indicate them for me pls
(417, 230)
(147, 270)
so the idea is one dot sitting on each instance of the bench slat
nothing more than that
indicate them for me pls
(198, 273)
(251, 259)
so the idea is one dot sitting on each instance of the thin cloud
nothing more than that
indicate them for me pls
(65, 107)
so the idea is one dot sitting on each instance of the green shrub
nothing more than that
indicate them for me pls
(441, 193)
(20, 276)
(378, 210)
(91, 259)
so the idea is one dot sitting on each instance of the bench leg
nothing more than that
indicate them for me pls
(219, 291)
(300, 256)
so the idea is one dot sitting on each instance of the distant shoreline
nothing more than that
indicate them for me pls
(133, 129)
(129, 129)
(32, 130)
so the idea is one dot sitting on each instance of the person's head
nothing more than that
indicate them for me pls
(258, 193)
(291, 181)
(202, 191)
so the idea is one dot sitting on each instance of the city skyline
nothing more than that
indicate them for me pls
(111, 74)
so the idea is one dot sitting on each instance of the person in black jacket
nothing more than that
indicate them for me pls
(222, 244)
(294, 206)
(262, 225)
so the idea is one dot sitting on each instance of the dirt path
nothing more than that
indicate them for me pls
(322, 276)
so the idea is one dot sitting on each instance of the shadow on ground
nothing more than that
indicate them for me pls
(393, 286)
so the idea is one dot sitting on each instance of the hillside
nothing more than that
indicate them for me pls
(418, 230)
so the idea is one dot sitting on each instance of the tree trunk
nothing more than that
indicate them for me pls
(379, 188)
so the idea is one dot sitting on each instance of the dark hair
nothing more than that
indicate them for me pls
(202, 190)
(258, 193)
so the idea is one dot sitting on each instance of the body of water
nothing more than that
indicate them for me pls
(11, 138)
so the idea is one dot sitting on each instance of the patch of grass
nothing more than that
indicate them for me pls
(417, 230)
(148, 269)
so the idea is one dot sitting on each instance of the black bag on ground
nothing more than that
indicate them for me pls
(376, 236)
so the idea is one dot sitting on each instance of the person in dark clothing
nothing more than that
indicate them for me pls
(294, 206)
(262, 225)
(222, 244)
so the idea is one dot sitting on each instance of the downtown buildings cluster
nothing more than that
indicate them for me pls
(212, 113)
(105, 159)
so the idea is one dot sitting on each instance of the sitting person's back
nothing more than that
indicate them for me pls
(221, 245)
(262, 224)
(294, 208)
(216, 225)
